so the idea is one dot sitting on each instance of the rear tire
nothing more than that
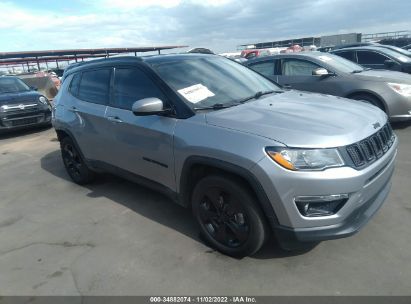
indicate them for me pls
(228, 216)
(74, 163)
(370, 100)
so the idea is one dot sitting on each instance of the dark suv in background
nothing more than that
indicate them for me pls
(377, 57)
(21, 106)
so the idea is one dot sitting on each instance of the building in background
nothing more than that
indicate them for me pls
(398, 38)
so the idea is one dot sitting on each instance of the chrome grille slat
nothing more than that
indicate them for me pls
(371, 148)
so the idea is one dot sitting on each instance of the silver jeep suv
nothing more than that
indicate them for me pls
(246, 156)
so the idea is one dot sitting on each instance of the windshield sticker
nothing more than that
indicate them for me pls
(196, 93)
(325, 58)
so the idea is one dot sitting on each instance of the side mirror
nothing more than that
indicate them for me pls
(149, 106)
(389, 63)
(320, 72)
(34, 88)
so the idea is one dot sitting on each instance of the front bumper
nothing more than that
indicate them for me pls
(290, 238)
(24, 119)
(367, 189)
(398, 106)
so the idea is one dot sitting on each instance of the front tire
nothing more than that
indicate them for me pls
(228, 216)
(74, 163)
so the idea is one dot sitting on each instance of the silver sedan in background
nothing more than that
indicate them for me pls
(330, 74)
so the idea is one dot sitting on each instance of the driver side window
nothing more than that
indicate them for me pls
(132, 84)
(295, 67)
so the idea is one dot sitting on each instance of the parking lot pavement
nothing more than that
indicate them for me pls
(117, 238)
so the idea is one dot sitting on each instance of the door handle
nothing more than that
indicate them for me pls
(114, 119)
(74, 110)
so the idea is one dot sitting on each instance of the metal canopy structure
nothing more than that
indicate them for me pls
(9, 59)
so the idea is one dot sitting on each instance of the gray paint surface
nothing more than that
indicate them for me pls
(117, 238)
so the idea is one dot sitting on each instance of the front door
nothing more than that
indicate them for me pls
(298, 74)
(142, 145)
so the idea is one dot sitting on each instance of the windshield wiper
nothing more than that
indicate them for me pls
(217, 106)
(359, 71)
(258, 95)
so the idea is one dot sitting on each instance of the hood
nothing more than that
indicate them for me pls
(19, 97)
(299, 119)
(384, 76)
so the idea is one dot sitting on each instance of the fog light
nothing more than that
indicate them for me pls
(312, 206)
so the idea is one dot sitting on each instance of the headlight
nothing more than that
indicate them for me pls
(4, 108)
(43, 100)
(400, 88)
(305, 159)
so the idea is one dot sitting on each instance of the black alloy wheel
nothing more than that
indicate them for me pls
(74, 164)
(228, 216)
(224, 218)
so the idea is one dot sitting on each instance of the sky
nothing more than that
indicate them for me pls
(218, 25)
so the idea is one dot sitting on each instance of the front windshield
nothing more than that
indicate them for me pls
(12, 85)
(210, 81)
(396, 55)
(399, 50)
(340, 63)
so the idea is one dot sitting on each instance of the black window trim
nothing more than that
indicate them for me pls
(110, 68)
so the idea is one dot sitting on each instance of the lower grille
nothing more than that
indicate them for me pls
(23, 121)
(371, 148)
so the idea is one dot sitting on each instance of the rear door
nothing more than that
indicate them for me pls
(142, 145)
(88, 124)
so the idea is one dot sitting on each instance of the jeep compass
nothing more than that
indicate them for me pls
(248, 158)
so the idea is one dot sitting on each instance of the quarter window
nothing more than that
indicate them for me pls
(75, 84)
(132, 84)
(292, 67)
(95, 86)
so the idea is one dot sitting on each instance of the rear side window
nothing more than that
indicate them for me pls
(75, 84)
(365, 57)
(132, 84)
(350, 55)
(294, 67)
(266, 67)
(95, 86)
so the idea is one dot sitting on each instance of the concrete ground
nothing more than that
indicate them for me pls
(117, 238)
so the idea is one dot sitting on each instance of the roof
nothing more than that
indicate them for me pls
(173, 57)
(368, 47)
(310, 54)
(132, 59)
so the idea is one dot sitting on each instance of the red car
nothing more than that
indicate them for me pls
(252, 53)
